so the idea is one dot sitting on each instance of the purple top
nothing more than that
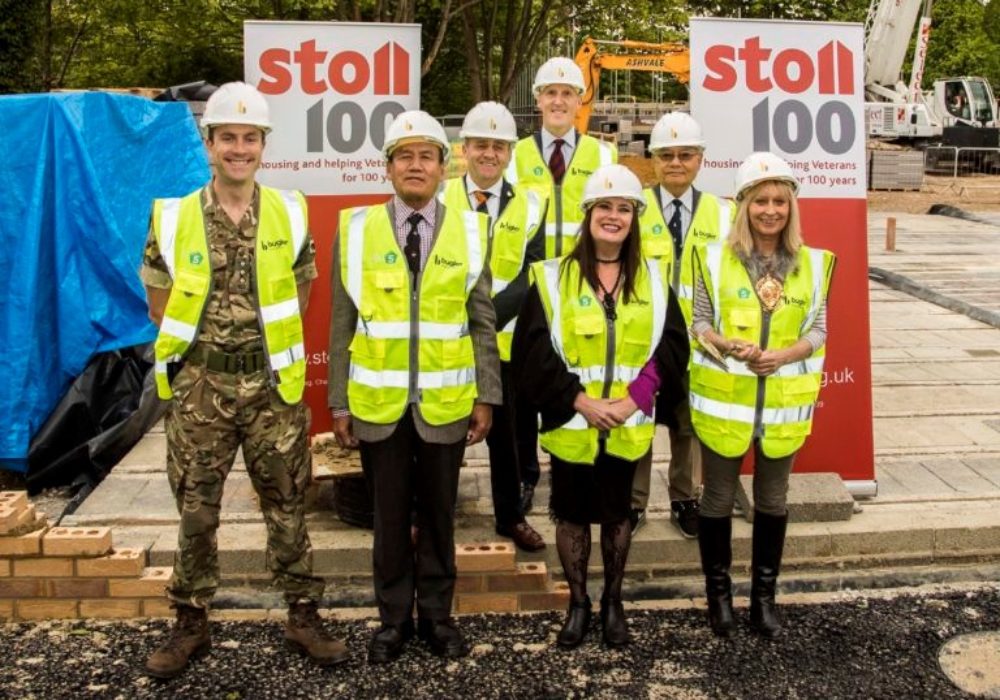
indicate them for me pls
(644, 387)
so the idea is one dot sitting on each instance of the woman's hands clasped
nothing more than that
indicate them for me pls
(604, 414)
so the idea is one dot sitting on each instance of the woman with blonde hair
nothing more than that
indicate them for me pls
(760, 320)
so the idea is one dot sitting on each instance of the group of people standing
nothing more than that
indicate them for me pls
(543, 296)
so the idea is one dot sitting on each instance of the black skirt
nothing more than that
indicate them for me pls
(591, 493)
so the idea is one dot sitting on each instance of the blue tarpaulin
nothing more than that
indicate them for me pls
(77, 180)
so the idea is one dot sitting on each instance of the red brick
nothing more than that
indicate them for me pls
(78, 587)
(48, 566)
(151, 584)
(109, 607)
(485, 602)
(493, 556)
(156, 607)
(467, 583)
(77, 542)
(530, 576)
(121, 563)
(21, 588)
(46, 609)
(25, 545)
(14, 499)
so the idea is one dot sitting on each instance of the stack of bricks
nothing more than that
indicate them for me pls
(490, 580)
(48, 572)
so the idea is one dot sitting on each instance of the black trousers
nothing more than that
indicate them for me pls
(505, 472)
(405, 472)
(526, 430)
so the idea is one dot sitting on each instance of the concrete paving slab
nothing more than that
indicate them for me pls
(819, 497)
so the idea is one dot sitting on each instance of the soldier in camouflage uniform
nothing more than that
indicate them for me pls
(225, 394)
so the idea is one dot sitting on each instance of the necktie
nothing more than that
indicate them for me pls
(412, 249)
(675, 229)
(481, 199)
(557, 164)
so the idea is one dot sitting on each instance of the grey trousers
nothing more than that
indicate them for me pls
(770, 482)
(684, 472)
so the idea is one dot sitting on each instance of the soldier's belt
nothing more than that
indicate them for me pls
(228, 362)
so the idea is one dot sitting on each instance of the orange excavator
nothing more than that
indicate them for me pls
(673, 58)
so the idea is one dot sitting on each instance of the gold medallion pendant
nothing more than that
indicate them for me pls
(769, 291)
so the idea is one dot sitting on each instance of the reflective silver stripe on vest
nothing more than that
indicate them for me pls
(578, 422)
(279, 311)
(178, 329)
(398, 330)
(570, 229)
(745, 414)
(605, 153)
(534, 216)
(296, 219)
(818, 275)
(287, 358)
(355, 254)
(499, 285)
(509, 328)
(685, 291)
(713, 257)
(511, 173)
(169, 216)
(812, 365)
(551, 280)
(400, 379)
(659, 294)
(724, 221)
(595, 373)
(475, 249)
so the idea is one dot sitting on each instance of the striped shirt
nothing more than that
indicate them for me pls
(425, 228)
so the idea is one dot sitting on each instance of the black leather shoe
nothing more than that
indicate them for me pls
(684, 514)
(613, 623)
(577, 623)
(443, 637)
(388, 642)
(527, 497)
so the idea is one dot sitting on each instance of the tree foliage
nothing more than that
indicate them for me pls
(473, 49)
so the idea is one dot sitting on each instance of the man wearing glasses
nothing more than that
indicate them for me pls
(677, 218)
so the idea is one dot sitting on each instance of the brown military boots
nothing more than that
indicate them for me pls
(189, 639)
(304, 632)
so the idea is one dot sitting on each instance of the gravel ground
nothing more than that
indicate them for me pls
(869, 647)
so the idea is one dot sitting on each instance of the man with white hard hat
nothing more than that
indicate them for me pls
(227, 271)
(556, 162)
(517, 240)
(414, 375)
(677, 218)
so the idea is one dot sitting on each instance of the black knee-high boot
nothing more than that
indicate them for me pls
(573, 544)
(715, 544)
(768, 544)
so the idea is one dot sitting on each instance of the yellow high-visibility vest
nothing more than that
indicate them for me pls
(562, 219)
(376, 278)
(509, 236)
(726, 406)
(606, 356)
(179, 227)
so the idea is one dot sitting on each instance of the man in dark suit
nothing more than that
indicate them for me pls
(413, 377)
(517, 239)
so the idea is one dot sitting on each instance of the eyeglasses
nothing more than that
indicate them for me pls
(681, 156)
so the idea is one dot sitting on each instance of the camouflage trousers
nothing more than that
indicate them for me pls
(210, 417)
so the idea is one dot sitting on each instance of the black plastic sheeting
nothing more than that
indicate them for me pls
(105, 412)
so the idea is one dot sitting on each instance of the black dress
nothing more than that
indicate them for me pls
(587, 493)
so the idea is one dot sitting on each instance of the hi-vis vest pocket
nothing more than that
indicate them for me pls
(742, 323)
(450, 307)
(283, 286)
(389, 279)
(191, 284)
(589, 325)
(368, 351)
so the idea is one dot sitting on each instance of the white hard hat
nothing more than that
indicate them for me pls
(415, 125)
(489, 120)
(674, 130)
(236, 103)
(558, 71)
(613, 181)
(762, 166)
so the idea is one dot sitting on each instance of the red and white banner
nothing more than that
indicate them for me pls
(333, 89)
(797, 89)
